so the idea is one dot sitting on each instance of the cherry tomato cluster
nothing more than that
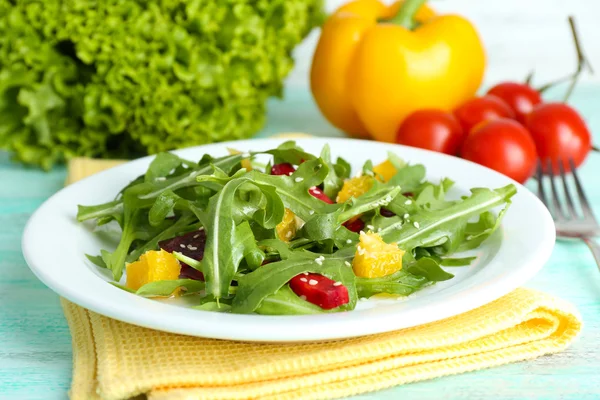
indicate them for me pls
(507, 129)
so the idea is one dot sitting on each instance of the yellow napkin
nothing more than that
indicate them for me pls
(116, 360)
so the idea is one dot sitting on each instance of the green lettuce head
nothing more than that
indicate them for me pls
(122, 78)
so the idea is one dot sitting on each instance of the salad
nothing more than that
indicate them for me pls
(297, 233)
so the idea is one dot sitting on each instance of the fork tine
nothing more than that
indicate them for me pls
(539, 177)
(558, 210)
(585, 205)
(570, 204)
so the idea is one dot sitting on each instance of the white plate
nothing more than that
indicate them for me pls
(54, 245)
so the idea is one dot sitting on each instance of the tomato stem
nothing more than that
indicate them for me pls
(529, 77)
(406, 15)
(582, 63)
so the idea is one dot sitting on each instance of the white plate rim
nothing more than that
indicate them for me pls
(107, 300)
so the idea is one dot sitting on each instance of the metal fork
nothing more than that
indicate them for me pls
(569, 223)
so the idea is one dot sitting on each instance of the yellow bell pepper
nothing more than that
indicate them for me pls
(374, 65)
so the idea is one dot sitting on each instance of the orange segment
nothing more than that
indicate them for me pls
(286, 229)
(385, 171)
(375, 258)
(354, 187)
(153, 265)
(245, 163)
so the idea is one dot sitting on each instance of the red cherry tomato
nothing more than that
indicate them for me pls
(480, 109)
(520, 97)
(435, 130)
(559, 133)
(503, 145)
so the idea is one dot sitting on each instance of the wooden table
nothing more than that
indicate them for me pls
(35, 345)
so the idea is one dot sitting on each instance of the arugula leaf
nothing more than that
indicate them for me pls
(285, 302)
(400, 283)
(166, 288)
(112, 209)
(151, 190)
(227, 238)
(332, 183)
(409, 178)
(429, 269)
(380, 195)
(254, 287)
(214, 307)
(457, 262)
(161, 166)
(293, 190)
(97, 260)
(342, 168)
(432, 228)
(288, 152)
(163, 206)
(279, 246)
(433, 197)
(475, 233)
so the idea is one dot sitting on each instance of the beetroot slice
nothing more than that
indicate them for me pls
(191, 245)
(318, 193)
(282, 169)
(320, 290)
(355, 226)
(386, 213)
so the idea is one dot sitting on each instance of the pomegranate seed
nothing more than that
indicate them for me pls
(318, 193)
(325, 293)
(282, 169)
(386, 213)
(355, 226)
(408, 194)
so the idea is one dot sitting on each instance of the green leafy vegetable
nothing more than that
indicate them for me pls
(285, 302)
(247, 266)
(166, 288)
(157, 76)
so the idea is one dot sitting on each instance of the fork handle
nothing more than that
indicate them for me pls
(595, 248)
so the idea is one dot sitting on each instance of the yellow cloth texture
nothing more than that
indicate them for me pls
(116, 360)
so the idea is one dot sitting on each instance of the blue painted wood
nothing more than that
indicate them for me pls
(35, 348)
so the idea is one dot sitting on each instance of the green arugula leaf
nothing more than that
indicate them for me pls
(161, 166)
(342, 168)
(332, 183)
(285, 302)
(433, 228)
(457, 262)
(288, 152)
(293, 190)
(429, 269)
(400, 283)
(162, 207)
(150, 190)
(228, 239)
(166, 288)
(214, 307)
(476, 232)
(254, 287)
(96, 260)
